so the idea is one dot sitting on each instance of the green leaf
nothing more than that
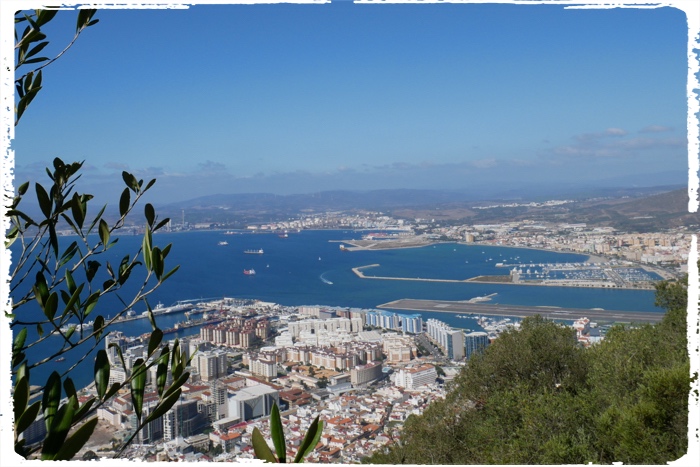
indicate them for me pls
(170, 273)
(51, 306)
(97, 217)
(310, 440)
(177, 384)
(154, 341)
(124, 202)
(71, 330)
(58, 430)
(17, 358)
(113, 390)
(101, 372)
(149, 184)
(39, 329)
(27, 418)
(25, 217)
(157, 262)
(138, 385)
(37, 48)
(76, 441)
(51, 398)
(277, 433)
(260, 447)
(130, 181)
(20, 397)
(146, 248)
(91, 270)
(69, 387)
(104, 233)
(162, 370)
(68, 254)
(78, 210)
(83, 410)
(90, 303)
(151, 318)
(44, 200)
(164, 406)
(161, 224)
(20, 338)
(119, 353)
(73, 299)
(53, 238)
(44, 16)
(98, 326)
(70, 282)
(40, 289)
(22, 189)
(176, 365)
(150, 214)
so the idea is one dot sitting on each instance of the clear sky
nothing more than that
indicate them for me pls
(302, 98)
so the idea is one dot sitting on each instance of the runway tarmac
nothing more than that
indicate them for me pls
(520, 311)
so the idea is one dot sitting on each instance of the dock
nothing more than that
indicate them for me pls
(522, 311)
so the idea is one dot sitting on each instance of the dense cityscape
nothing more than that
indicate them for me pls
(363, 371)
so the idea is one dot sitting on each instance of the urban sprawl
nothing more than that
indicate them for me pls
(362, 371)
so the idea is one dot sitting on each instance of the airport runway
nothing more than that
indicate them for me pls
(551, 312)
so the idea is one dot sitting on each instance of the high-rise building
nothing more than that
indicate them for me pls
(475, 342)
(211, 364)
(183, 420)
(412, 324)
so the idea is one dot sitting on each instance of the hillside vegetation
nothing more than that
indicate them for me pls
(536, 397)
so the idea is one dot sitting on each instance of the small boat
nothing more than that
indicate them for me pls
(254, 252)
(60, 359)
(284, 235)
(223, 243)
(249, 272)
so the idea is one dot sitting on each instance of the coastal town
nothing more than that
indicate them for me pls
(615, 258)
(363, 372)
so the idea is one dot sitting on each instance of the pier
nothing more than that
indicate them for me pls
(358, 272)
(521, 311)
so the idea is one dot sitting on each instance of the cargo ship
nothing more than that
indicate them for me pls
(254, 252)
(249, 272)
(192, 323)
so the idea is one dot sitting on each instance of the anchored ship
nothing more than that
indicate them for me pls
(254, 252)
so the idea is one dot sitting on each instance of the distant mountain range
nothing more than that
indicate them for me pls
(642, 208)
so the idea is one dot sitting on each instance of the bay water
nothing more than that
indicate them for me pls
(309, 268)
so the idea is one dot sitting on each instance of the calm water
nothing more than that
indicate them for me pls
(308, 269)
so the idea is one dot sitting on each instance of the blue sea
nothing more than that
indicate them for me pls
(309, 268)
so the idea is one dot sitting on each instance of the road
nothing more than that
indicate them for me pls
(520, 311)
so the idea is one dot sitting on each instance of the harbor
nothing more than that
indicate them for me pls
(469, 307)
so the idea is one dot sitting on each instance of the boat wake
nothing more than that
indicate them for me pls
(324, 280)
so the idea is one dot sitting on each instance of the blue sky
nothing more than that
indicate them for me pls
(303, 98)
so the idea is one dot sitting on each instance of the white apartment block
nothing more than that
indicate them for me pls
(415, 377)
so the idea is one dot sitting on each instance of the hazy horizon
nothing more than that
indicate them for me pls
(289, 98)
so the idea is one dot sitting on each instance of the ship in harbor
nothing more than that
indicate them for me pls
(192, 323)
(249, 272)
(162, 310)
(254, 252)
(77, 327)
